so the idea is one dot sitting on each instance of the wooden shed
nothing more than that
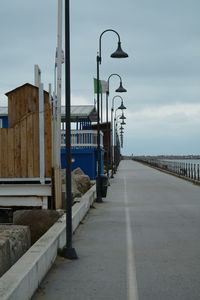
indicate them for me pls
(20, 143)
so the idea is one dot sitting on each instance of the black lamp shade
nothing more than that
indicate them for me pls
(122, 106)
(119, 53)
(122, 117)
(123, 123)
(121, 89)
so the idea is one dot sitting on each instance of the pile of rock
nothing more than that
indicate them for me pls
(38, 220)
(80, 183)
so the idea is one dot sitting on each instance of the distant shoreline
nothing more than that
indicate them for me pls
(162, 156)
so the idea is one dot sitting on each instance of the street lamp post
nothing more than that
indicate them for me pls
(122, 107)
(119, 53)
(68, 250)
(120, 89)
(116, 140)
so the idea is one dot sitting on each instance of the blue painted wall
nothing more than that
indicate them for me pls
(84, 158)
(5, 121)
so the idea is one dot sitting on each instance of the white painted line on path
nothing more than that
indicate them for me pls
(132, 281)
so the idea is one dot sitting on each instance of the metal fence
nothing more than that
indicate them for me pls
(83, 138)
(188, 170)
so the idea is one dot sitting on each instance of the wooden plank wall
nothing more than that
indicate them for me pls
(19, 144)
(48, 136)
(18, 152)
(21, 102)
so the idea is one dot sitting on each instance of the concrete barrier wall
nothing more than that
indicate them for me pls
(23, 278)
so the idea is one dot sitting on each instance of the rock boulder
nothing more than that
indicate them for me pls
(14, 242)
(38, 220)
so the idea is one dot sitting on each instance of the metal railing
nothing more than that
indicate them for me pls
(187, 170)
(83, 138)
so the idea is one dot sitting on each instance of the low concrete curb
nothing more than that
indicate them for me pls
(23, 278)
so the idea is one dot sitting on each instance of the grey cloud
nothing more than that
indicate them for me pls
(161, 38)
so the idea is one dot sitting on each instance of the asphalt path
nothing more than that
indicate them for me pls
(142, 242)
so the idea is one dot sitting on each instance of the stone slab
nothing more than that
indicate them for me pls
(14, 242)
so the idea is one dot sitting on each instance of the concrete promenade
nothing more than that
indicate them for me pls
(142, 243)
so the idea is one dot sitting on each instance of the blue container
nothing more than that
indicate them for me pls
(84, 158)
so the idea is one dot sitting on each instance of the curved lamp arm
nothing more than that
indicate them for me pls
(112, 108)
(107, 30)
(114, 74)
(119, 53)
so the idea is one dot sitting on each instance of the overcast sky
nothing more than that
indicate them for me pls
(161, 75)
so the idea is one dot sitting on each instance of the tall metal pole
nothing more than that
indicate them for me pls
(112, 133)
(98, 183)
(68, 251)
(108, 136)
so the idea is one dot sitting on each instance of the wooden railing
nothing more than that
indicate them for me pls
(83, 138)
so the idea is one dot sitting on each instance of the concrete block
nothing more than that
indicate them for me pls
(14, 242)
(4, 253)
(38, 220)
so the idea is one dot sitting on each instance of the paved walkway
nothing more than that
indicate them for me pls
(142, 243)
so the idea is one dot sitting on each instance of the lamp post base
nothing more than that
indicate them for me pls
(99, 200)
(69, 253)
(98, 190)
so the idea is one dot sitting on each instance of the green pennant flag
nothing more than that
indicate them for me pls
(103, 86)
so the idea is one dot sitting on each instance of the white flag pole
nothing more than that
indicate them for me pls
(59, 85)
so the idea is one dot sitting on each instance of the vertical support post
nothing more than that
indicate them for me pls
(192, 166)
(101, 107)
(108, 137)
(115, 146)
(58, 86)
(98, 186)
(54, 126)
(37, 75)
(68, 251)
(50, 93)
(112, 147)
(41, 133)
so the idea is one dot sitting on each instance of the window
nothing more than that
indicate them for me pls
(1, 123)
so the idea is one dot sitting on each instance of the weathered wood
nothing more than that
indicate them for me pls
(48, 138)
(4, 152)
(35, 145)
(23, 148)
(19, 144)
(17, 151)
(57, 185)
(30, 148)
(21, 101)
(10, 149)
